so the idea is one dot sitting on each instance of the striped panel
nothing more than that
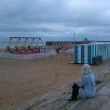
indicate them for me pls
(103, 52)
(100, 52)
(92, 49)
(99, 49)
(76, 54)
(103, 49)
(108, 50)
(92, 52)
(79, 54)
(86, 54)
(106, 53)
(95, 50)
(82, 54)
(89, 55)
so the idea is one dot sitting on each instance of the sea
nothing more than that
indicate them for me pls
(3, 44)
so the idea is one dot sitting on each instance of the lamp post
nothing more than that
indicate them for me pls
(74, 38)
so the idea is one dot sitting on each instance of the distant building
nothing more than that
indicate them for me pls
(66, 44)
(69, 44)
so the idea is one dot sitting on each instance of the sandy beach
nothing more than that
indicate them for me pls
(22, 80)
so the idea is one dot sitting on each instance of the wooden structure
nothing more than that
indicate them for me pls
(84, 53)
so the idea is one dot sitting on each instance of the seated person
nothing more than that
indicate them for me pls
(86, 87)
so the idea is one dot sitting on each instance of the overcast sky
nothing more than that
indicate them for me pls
(56, 19)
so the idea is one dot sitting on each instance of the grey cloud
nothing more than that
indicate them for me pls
(55, 16)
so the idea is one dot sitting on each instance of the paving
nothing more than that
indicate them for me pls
(57, 99)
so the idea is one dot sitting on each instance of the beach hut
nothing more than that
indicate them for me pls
(84, 53)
